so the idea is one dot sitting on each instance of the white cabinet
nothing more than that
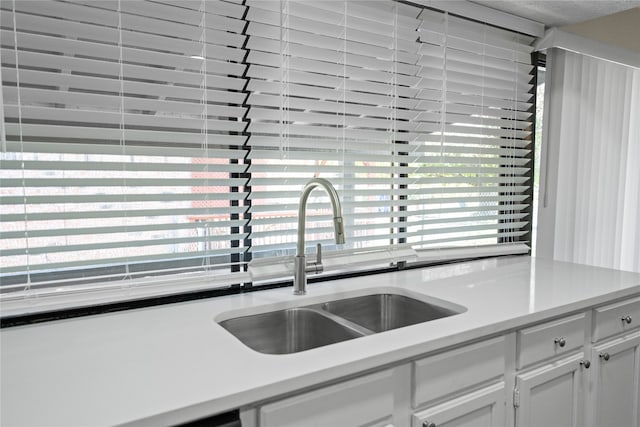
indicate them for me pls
(483, 408)
(618, 318)
(599, 388)
(551, 395)
(366, 401)
(550, 391)
(614, 398)
(579, 370)
(551, 339)
(462, 387)
(456, 371)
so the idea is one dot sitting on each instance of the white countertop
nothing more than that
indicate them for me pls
(173, 363)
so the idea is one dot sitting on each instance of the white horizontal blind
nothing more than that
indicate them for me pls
(469, 169)
(421, 120)
(124, 137)
(338, 107)
(170, 136)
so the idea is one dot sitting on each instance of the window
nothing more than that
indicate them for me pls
(124, 138)
(144, 138)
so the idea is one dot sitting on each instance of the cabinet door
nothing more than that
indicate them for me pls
(551, 395)
(614, 397)
(483, 408)
(366, 401)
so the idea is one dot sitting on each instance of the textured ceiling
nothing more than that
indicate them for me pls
(560, 12)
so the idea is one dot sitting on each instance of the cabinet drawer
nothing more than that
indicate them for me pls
(456, 370)
(364, 401)
(484, 407)
(550, 339)
(616, 318)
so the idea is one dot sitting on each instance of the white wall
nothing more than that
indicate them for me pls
(619, 29)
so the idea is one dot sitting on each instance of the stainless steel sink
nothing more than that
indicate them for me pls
(303, 328)
(382, 312)
(288, 331)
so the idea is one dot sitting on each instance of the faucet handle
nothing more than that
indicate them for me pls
(319, 254)
(315, 266)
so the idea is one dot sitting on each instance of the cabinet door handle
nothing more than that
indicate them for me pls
(627, 319)
(585, 363)
(560, 341)
(428, 424)
(604, 356)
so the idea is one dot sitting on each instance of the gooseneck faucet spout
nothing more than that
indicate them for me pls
(300, 267)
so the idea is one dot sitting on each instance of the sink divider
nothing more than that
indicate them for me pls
(338, 319)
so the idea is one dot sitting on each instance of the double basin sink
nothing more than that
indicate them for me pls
(296, 329)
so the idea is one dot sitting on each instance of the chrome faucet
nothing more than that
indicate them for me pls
(301, 268)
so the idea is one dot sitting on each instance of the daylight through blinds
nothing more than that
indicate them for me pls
(144, 137)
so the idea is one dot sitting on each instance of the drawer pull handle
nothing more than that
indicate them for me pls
(605, 356)
(428, 424)
(585, 363)
(627, 319)
(560, 341)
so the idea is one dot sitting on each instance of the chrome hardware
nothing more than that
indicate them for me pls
(604, 356)
(516, 398)
(301, 267)
(560, 341)
(627, 319)
(428, 424)
(316, 266)
(585, 363)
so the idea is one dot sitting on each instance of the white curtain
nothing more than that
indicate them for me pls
(590, 178)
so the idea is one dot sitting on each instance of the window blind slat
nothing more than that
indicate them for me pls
(70, 11)
(301, 180)
(219, 7)
(161, 211)
(103, 245)
(273, 215)
(481, 238)
(109, 102)
(61, 264)
(33, 165)
(473, 142)
(167, 154)
(60, 131)
(184, 122)
(114, 198)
